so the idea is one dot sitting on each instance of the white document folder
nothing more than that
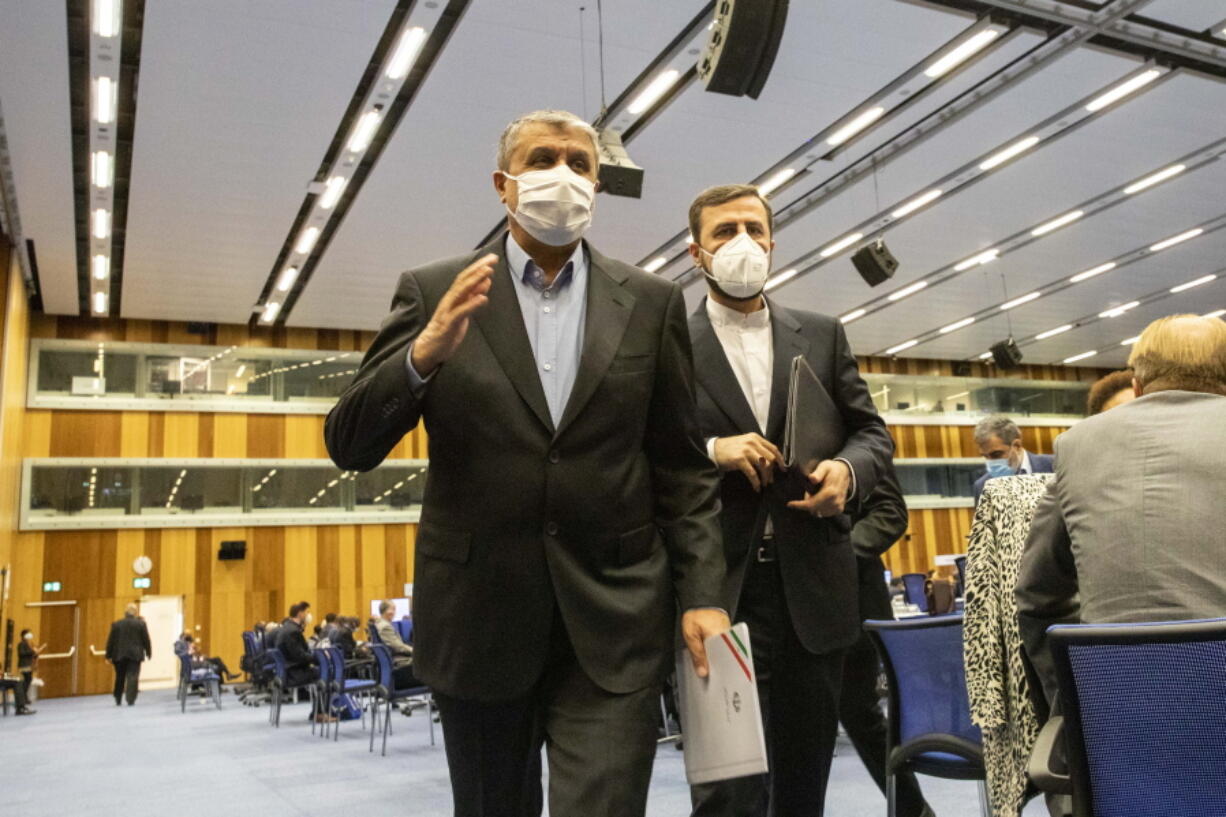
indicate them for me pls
(721, 720)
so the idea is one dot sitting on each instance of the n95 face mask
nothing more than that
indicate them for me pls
(739, 268)
(555, 205)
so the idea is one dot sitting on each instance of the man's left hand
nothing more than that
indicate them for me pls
(696, 627)
(833, 479)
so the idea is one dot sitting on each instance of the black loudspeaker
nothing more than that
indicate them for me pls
(619, 175)
(742, 47)
(875, 263)
(199, 328)
(962, 368)
(1006, 354)
(235, 549)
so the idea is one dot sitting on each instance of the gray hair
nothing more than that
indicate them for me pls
(997, 425)
(558, 119)
(384, 606)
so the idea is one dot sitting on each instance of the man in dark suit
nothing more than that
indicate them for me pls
(791, 568)
(291, 641)
(881, 523)
(126, 647)
(1000, 444)
(570, 509)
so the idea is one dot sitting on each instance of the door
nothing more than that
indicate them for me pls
(59, 626)
(163, 616)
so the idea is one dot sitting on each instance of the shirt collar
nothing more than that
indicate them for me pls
(525, 270)
(1025, 468)
(723, 317)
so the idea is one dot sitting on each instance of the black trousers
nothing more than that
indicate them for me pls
(799, 693)
(600, 746)
(127, 678)
(27, 678)
(860, 714)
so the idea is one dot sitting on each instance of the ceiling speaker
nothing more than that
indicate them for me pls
(1006, 354)
(875, 263)
(742, 47)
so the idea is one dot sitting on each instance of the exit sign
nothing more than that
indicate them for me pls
(142, 582)
(51, 587)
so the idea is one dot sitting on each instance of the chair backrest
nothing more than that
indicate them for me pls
(324, 662)
(923, 662)
(913, 589)
(373, 632)
(383, 661)
(1145, 716)
(405, 627)
(278, 663)
(337, 656)
(185, 666)
(248, 642)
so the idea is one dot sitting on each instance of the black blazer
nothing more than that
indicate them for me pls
(611, 518)
(129, 639)
(881, 523)
(815, 555)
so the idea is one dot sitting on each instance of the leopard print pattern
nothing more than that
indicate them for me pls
(992, 644)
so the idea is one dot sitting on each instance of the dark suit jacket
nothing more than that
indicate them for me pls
(1039, 464)
(881, 523)
(129, 639)
(611, 517)
(292, 644)
(815, 555)
(345, 640)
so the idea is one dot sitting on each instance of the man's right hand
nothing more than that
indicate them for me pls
(752, 454)
(447, 327)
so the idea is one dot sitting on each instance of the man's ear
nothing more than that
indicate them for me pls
(695, 254)
(500, 184)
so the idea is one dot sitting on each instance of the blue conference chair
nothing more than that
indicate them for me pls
(321, 691)
(405, 628)
(930, 729)
(280, 684)
(364, 687)
(387, 694)
(1144, 717)
(194, 680)
(913, 590)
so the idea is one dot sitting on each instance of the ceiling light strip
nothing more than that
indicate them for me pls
(105, 64)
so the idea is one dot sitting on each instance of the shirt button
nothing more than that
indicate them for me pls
(548, 367)
(551, 529)
(547, 294)
(554, 457)
(547, 310)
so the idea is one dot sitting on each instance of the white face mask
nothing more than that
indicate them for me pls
(309, 619)
(555, 205)
(739, 268)
(28, 636)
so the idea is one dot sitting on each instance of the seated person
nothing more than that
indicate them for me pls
(343, 636)
(1000, 444)
(1109, 391)
(19, 694)
(300, 666)
(402, 653)
(186, 645)
(27, 660)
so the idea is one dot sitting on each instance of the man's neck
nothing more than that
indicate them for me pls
(743, 306)
(549, 259)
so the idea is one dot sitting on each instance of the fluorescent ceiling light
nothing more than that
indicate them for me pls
(306, 242)
(106, 17)
(365, 131)
(1130, 340)
(1009, 152)
(900, 347)
(103, 169)
(1057, 223)
(1051, 333)
(985, 257)
(104, 100)
(774, 182)
(102, 267)
(1090, 273)
(1116, 311)
(956, 325)
(987, 356)
(959, 394)
(1179, 239)
(406, 51)
(907, 290)
(655, 263)
(270, 311)
(1203, 280)
(102, 223)
(1124, 89)
(961, 53)
(855, 126)
(288, 276)
(841, 244)
(1025, 299)
(780, 278)
(100, 302)
(1217, 313)
(1151, 180)
(242, 368)
(332, 192)
(654, 91)
(853, 314)
(1081, 356)
(916, 203)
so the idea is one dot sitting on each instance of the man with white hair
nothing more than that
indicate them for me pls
(571, 509)
(126, 647)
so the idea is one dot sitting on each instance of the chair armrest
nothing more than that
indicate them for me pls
(1048, 765)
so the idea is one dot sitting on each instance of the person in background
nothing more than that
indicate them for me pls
(344, 636)
(299, 663)
(402, 653)
(1000, 444)
(126, 647)
(258, 630)
(328, 632)
(268, 639)
(1112, 390)
(27, 659)
(187, 645)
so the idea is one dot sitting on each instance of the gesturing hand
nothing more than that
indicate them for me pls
(752, 454)
(834, 477)
(449, 323)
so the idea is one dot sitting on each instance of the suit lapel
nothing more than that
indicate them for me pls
(714, 373)
(787, 343)
(502, 324)
(609, 306)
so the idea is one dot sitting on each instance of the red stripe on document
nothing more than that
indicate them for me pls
(737, 656)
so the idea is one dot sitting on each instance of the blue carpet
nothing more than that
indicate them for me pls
(85, 756)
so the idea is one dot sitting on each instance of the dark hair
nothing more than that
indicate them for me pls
(295, 609)
(330, 617)
(23, 632)
(188, 637)
(722, 194)
(1106, 388)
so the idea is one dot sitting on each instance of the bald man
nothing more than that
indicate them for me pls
(1131, 529)
(126, 647)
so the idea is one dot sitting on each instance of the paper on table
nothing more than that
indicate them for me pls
(721, 720)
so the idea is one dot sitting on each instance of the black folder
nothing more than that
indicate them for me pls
(813, 430)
